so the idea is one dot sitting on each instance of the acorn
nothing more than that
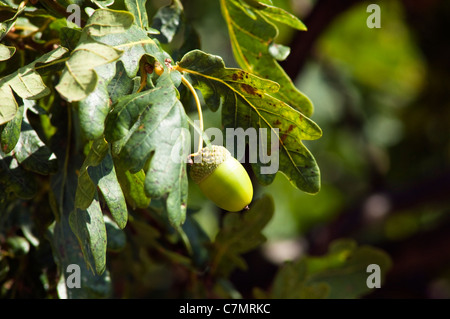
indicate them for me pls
(222, 178)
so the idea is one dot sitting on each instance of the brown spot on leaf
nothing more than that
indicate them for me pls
(238, 76)
(249, 89)
(291, 127)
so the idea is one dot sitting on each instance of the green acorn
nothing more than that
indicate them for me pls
(222, 178)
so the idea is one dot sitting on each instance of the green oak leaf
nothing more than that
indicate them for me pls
(26, 83)
(98, 171)
(93, 109)
(167, 21)
(79, 77)
(133, 44)
(241, 232)
(344, 268)
(276, 14)
(147, 127)
(6, 26)
(248, 101)
(31, 152)
(6, 52)
(133, 188)
(10, 132)
(137, 8)
(89, 227)
(108, 37)
(251, 40)
(107, 22)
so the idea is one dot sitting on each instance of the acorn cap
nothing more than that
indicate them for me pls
(205, 162)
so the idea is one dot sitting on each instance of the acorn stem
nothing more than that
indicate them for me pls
(199, 109)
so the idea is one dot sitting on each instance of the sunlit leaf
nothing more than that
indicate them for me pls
(247, 102)
(148, 126)
(277, 14)
(105, 21)
(6, 26)
(10, 132)
(133, 43)
(26, 82)
(251, 38)
(79, 78)
(32, 153)
(6, 52)
(98, 171)
(137, 8)
(86, 188)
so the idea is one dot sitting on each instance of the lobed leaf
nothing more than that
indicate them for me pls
(79, 77)
(6, 52)
(147, 126)
(109, 186)
(344, 268)
(26, 83)
(106, 22)
(241, 232)
(6, 26)
(89, 227)
(251, 39)
(86, 189)
(65, 245)
(167, 21)
(31, 152)
(93, 110)
(133, 188)
(133, 43)
(247, 102)
(276, 14)
(10, 132)
(98, 171)
(139, 11)
(108, 37)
